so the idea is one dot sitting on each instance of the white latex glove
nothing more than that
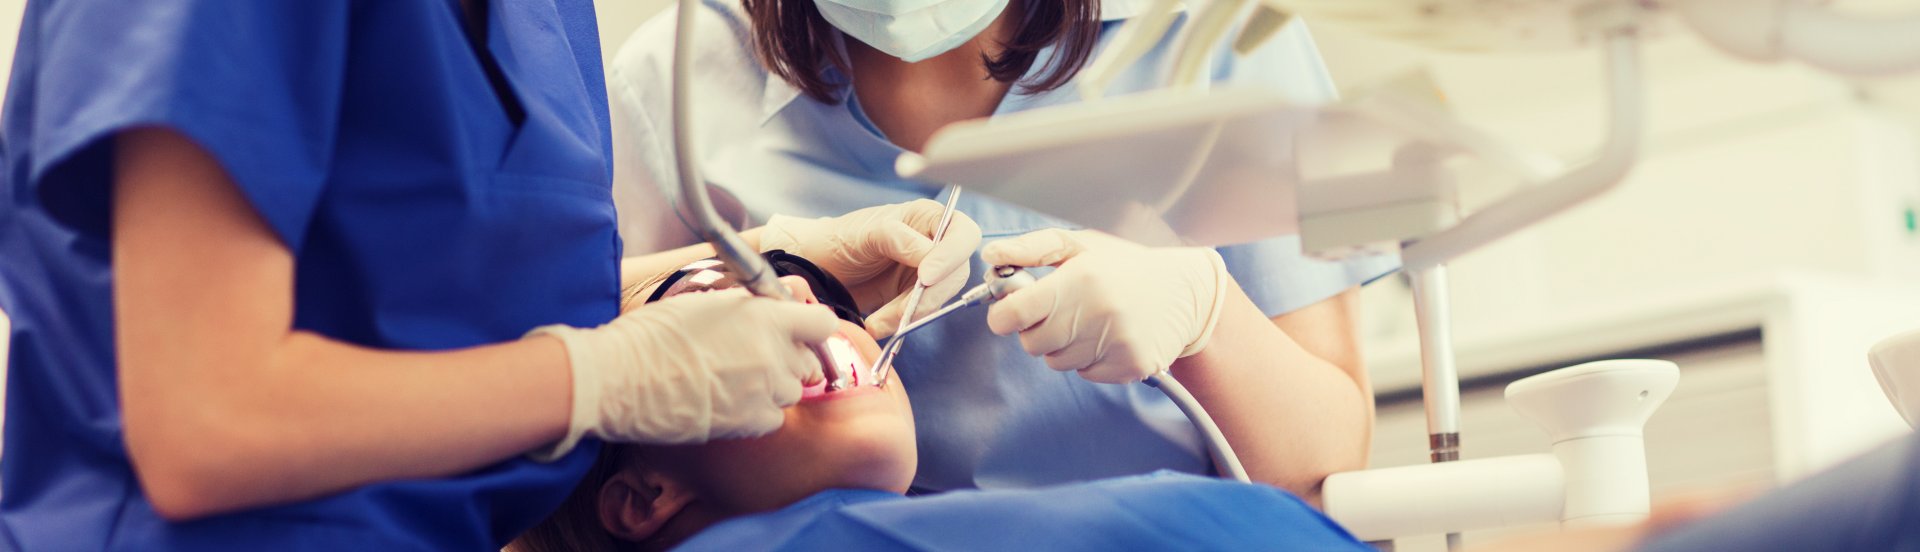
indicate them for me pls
(690, 368)
(875, 252)
(1114, 310)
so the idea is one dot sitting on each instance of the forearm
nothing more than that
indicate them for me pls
(223, 406)
(1292, 416)
(321, 416)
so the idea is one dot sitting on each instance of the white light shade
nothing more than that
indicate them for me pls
(1896, 363)
(1609, 397)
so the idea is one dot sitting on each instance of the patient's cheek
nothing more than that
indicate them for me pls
(862, 341)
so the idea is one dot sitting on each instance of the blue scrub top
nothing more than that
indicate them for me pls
(421, 216)
(1163, 511)
(990, 415)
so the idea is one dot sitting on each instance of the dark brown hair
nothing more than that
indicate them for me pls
(794, 42)
(575, 526)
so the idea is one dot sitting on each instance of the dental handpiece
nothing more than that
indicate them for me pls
(1003, 281)
(745, 263)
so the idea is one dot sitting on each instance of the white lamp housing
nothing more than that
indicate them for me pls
(1596, 475)
(1896, 364)
(1595, 413)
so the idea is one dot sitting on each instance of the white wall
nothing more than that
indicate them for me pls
(1750, 171)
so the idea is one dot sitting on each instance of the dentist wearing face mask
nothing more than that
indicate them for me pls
(803, 106)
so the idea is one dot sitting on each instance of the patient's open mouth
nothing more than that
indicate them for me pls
(848, 370)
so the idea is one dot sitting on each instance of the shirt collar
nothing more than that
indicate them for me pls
(777, 93)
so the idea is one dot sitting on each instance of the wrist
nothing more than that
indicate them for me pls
(582, 395)
(1211, 288)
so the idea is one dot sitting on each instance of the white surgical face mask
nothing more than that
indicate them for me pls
(912, 30)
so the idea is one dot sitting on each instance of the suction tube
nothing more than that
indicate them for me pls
(1217, 446)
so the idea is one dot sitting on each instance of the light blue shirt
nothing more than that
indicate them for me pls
(989, 414)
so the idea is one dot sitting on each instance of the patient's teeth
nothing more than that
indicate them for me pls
(852, 370)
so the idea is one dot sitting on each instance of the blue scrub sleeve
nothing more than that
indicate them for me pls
(256, 83)
(1280, 279)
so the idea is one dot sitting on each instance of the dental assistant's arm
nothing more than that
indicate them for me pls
(1291, 393)
(225, 406)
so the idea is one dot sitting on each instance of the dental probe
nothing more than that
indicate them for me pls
(913, 297)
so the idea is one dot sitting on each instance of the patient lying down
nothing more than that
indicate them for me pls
(833, 478)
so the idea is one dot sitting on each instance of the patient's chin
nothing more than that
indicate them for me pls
(861, 438)
(876, 453)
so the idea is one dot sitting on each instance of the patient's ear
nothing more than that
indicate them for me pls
(635, 504)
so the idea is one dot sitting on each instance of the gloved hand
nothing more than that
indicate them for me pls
(1114, 310)
(874, 252)
(690, 368)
